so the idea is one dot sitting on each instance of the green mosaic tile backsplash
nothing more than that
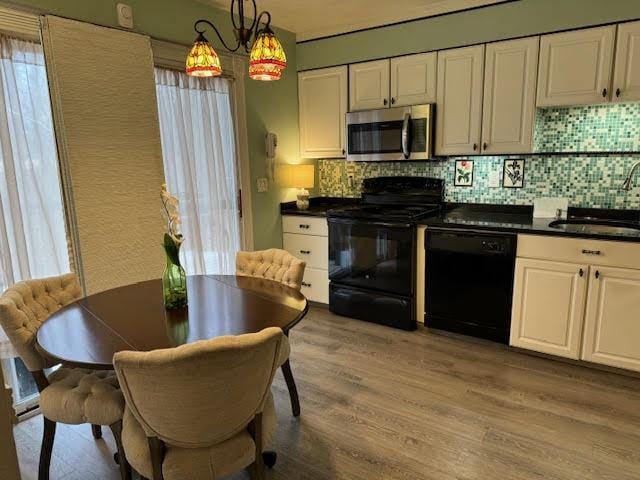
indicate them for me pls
(586, 180)
(594, 128)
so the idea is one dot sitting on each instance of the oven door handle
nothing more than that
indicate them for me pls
(405, 135)
(368, 222)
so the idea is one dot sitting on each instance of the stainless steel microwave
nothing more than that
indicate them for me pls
(399, 133)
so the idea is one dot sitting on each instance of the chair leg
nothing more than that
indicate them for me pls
(291, 385)
(125, 469)
(47, 448)
(97, 431)
(156, 448)
(256, 470)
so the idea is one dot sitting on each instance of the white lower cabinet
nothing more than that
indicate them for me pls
(315, 285)
(612, 322)
(306, 238)
(312, 249)
(578, 298)
(548, 307)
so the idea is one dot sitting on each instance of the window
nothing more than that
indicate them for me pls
(32, 228)
(198, 149)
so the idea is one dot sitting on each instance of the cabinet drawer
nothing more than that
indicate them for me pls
(305, 225)
(312, 249)
(579, 250)
(315, 285)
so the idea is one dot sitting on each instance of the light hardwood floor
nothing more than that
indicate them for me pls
(379, 403)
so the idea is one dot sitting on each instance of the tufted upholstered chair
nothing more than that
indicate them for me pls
(201, 411)
(273, 264)
(67, 395)
(280, 266)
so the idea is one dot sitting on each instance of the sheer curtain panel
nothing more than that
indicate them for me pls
(198, 149)
(32, 227)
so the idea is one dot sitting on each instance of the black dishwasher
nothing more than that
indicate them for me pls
(469, 282)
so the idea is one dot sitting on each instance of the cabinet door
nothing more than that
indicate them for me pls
(612, 325)
(509, 96)
(413, 79)
(459, 100)
(626, 78)
(575, 67)
(323, 108)
(548, 307)
(369, 85)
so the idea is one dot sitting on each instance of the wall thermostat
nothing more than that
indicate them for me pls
(125, 15)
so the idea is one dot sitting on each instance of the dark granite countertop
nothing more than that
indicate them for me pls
(318, 206)
(519, 219)
(497, 218)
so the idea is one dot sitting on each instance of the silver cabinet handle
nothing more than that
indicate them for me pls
(591, 252)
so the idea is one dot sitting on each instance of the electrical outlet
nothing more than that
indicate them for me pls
(494, 179)
(350, 181)
(263, 185)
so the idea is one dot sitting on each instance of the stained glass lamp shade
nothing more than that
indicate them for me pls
(203, 60)
(267, 58)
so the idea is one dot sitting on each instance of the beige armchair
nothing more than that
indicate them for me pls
(67, 395)
(273, 264)
(201, 411)
(280, 266)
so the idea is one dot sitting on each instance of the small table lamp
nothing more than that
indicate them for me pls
(300, 177)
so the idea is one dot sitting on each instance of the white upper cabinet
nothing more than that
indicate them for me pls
(413, 79)
(575, 67)
(509, 96)
(323, 108)
(369, 85)
(459, 100)
(626, 78)
(612, 324)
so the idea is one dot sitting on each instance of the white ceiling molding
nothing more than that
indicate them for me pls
(310, 19)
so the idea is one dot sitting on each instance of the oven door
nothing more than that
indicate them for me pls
(372, 255)
(401, 133)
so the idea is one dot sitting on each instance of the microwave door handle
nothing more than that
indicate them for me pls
(405, 135)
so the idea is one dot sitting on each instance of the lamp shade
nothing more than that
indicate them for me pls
(203, 60)
(296, 176)
(267, 58)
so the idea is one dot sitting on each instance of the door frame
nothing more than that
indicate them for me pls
(171, 55)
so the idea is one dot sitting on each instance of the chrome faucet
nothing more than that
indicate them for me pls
(626, 185)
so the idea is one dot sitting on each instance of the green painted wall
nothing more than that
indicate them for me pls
(520, 18)
(271, 106)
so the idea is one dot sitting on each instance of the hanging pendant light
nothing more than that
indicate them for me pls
(266, 60)
(203, 60)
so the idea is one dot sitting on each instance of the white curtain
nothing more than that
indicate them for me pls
(198, 148)
(32, 230)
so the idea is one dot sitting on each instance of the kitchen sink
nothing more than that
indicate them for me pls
(596, 226)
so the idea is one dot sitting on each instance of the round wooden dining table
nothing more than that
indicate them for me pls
(88, 332)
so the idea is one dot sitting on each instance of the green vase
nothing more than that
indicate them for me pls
(174, 279)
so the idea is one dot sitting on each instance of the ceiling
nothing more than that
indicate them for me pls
(318, 18)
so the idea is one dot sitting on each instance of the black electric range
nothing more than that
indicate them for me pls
(372, 249)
